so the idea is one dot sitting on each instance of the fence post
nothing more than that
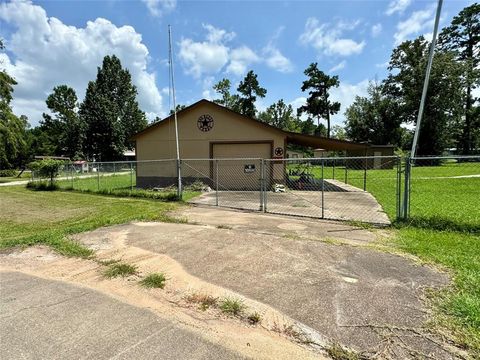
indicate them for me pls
(216, 182)
(131, 176)
(98, 177)
(406, 195)
(323, 193)
(365, 175)
(71, 173)
(333, 170)
(114, 169)
(398, 188)
(346, 176)
(264, 173)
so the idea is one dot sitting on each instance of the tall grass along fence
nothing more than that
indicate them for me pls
(442, 190)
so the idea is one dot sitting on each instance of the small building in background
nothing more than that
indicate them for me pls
(81, 166)
(293, 154)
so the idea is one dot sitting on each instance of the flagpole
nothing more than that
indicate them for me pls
(172, 77)
(427, 79)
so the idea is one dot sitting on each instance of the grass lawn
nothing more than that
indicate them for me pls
(25, 176)
(37, 217)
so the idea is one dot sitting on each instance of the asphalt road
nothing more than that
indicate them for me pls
(43, 319)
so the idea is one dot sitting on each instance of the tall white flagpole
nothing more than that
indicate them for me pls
(172, 77)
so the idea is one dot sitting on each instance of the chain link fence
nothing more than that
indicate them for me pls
(443, 191)
(376, 189)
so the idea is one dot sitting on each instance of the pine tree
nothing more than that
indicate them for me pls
(249, 90)
(110, 112)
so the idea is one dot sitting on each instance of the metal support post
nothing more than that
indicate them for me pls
(265, 194)
(71, 173)
(406, 195)
(98, 177)
(346, 175)
(365, 175)
(398, 188)
(216, 182)
(333, 175)
(323, 193)
(131, 176)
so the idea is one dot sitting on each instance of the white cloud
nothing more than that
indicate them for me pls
(159, 7)
(383, 65)
(345, 94)
(328, 39)
(276, 60)
(397, 6)
(339, 66)
(241, 58)
(214, 54)
(47, 53)
(419, 21)
(376, 30)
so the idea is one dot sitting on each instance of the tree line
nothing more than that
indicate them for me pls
(100, 127)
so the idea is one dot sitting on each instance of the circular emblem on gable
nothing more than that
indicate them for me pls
(278, 151)
(205, 122)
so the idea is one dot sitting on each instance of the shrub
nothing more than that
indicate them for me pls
(8, 173)
(46, 169)
(42, 186)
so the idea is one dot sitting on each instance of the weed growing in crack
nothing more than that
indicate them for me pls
(232, 306)
(120, 269)
(154, 280)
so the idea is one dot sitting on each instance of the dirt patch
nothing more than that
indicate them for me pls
(233, 333)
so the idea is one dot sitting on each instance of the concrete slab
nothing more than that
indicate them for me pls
(347, 203)
(44, 319)
(356, 296)
(284, 226)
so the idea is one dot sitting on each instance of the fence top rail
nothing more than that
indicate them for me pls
(222, 159)
(337, 158)
(433, 157)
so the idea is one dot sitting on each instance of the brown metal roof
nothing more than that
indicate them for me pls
(291, 137)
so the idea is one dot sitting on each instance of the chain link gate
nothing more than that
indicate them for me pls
(342, 188)
(233, 183)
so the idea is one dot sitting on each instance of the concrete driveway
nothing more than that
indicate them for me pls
(361, 298)
(44, 319)
(339, 202)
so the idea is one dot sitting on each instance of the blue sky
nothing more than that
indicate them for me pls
(62, 42)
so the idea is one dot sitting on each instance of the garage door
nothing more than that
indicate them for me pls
(240, 173)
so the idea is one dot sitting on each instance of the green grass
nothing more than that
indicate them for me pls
(119, 269)
(36, 217)
(122, 185)
(25, 176)
(457, 307)
(154, 280)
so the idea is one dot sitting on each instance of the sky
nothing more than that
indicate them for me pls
(49, 43)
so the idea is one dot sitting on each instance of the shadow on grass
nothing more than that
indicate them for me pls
(438, 223)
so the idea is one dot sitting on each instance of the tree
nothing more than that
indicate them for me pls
(110, 112)
(375, 118)
(463, 38)
(338, 133)
(228, 100)
(178, 108)
(249, 90)
(281, 116)
(13, 145)
(64, 128)
(308, 127)
(318, 103)
(443, 107)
